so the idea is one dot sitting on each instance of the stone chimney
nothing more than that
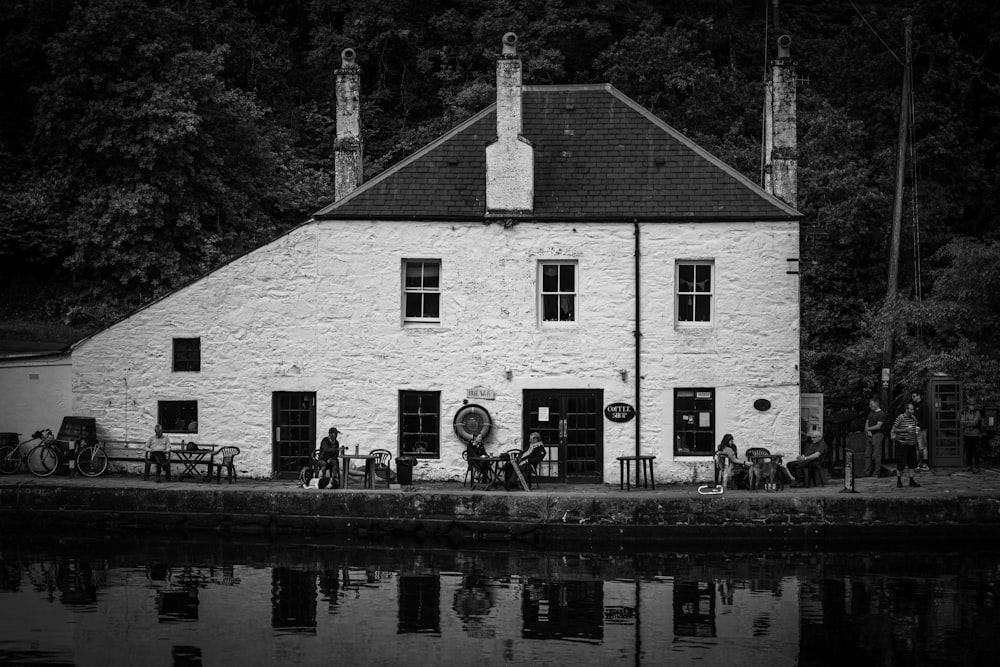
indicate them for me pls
(510, 160)
(780, 159)
(347, 149)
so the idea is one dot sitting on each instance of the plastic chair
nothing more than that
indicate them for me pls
(754, 452)
(228, 453)
(381, 466)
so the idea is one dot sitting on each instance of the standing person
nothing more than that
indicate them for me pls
(920, 414)
(905, 432)
(812, 455)
(874, 437)
(158, 452)
(329, 453)
(972, 432)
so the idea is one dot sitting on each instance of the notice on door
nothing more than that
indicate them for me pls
(543, 414)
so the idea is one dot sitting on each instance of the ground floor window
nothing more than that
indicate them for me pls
(420, 423)
(694, 422)
(178, 416)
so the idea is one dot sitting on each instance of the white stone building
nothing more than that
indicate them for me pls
(561, 251)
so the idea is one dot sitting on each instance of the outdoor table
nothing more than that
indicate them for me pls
(777, 458)
(369, 468)
(493, 471)
(625, 470)
(192, 458)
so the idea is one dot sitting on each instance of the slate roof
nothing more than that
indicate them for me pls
(598, 155)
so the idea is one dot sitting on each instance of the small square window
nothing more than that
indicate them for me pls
(694, 422)
(557, 291)
(178, 416)
(695, 284)
(420, 423)
(187, 355)
(421, 290)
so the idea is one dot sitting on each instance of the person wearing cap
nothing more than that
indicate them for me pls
(329, 452)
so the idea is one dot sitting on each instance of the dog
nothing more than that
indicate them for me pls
(766, 473)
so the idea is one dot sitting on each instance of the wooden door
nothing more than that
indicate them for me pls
(294, 432)
(570, 422)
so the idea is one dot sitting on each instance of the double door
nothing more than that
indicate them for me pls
(570, 422)
(294, 423)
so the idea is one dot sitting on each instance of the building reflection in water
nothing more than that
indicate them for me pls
(766, 609)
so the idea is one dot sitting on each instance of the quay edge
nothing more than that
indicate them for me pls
(540, 519)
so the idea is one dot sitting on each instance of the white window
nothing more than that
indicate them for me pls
(557, 291)
(695, 285)
(422, 290)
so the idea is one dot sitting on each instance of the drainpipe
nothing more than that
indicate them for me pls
(638, 339)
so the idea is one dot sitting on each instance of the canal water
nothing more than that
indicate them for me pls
(83, 601)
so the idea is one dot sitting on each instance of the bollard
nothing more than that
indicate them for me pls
(848, 472)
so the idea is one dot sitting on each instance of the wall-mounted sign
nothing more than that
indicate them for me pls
(619, 412)
(481, 394)
(543, 414)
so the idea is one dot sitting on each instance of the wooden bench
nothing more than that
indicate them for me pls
(132, 451)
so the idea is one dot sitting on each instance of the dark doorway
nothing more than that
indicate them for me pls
(945, 439)
(294, 420)
(571, 426)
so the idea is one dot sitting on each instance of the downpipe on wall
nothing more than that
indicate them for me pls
(638, 338)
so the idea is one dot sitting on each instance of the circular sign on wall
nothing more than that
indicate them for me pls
(471, 420)
(619, 412)
(762, 404)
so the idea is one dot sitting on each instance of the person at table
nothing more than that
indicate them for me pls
(530, 458)
(812, 456)
(727, 461)
(478, 449)
(157, 451)
(329, 453)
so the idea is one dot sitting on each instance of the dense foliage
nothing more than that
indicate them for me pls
(144, 142)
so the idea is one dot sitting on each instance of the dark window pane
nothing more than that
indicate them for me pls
(419, 422)
(567, 307)
(550, 307)
(685, 277)
(413, 274)
(550, 278)
(413, 303)
(178, 416)
(703, 278)
(432, 274)
(567, 278)
(703, 309)
(432, 305)
(187, 354)
(685, 310)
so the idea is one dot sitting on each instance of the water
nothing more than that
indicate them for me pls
(187, 602)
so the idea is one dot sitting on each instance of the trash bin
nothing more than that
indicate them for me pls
(404, 469)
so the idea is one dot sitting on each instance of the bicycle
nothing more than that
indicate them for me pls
(44, 458)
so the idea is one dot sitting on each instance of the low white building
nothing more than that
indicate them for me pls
(561, 251)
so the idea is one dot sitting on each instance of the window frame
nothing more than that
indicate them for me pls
(679, 413)
(182, 355)
(679, 295)
(434, 449)
(161, 405)
(406, 290)
(541, 293)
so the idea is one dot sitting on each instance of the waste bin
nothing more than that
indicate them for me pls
(404, 469)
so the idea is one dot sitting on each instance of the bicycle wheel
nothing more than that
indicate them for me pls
(91, 461)
(10, 459)
(43, 460)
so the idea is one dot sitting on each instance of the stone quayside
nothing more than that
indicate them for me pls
(598, 518)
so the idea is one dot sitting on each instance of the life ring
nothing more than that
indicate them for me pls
(472, 420)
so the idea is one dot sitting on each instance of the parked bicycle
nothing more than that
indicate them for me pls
(45, 457)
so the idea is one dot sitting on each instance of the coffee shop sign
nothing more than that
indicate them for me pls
(619, 412)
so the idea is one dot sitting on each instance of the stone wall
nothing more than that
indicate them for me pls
(319, 310)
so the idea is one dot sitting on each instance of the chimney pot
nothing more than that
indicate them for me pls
(510, 44)
(784, 45)
(347, 57)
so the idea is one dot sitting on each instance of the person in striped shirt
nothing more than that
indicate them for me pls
(905, 432)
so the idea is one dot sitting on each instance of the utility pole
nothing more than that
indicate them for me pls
(897, 216)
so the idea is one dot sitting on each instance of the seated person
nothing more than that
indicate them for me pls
(329, 453)
(727, 458)
(811, 456)
(480, 469)
(530, 458)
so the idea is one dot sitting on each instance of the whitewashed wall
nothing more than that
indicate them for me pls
(35, 394)
(320, 310)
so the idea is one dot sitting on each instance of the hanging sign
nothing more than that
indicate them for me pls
(619, 412)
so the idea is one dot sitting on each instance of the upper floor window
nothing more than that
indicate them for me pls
(695, 282)
(557, 291)
(187, 354)
(422, 290)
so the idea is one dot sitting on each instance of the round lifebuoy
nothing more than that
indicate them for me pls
(471, 420)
